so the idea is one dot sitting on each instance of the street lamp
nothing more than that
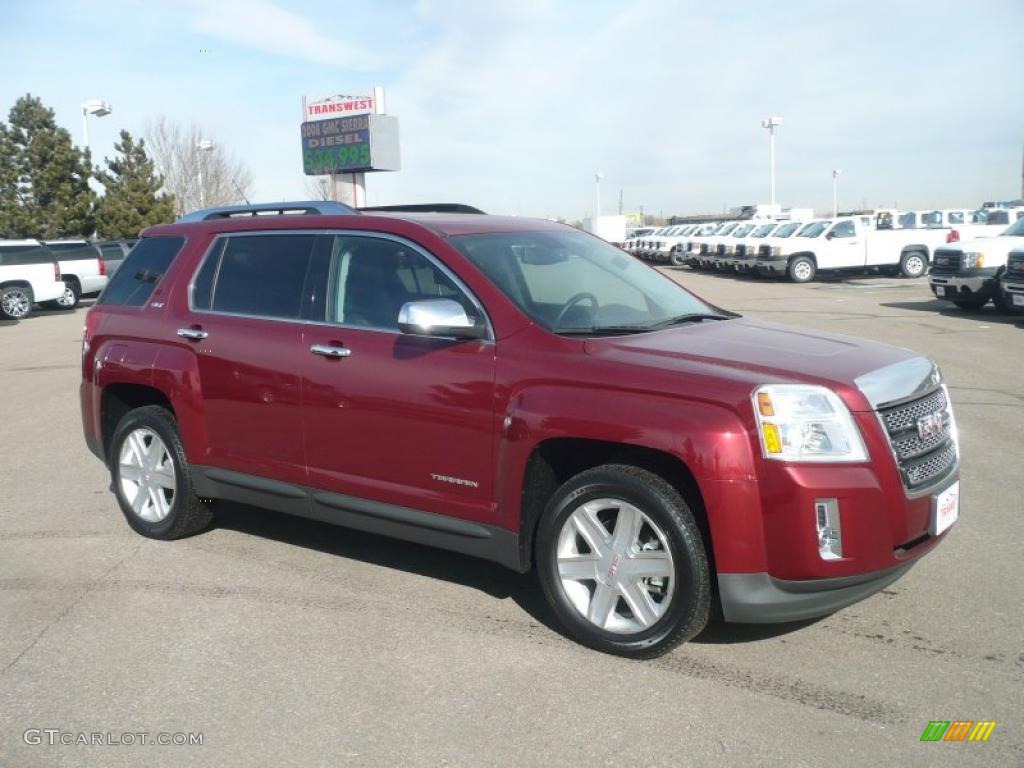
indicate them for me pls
(771, 123)
(204, 145)
(96, 107)
(597, 177)
(835, 192)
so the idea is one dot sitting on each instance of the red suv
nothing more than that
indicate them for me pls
(519, 391)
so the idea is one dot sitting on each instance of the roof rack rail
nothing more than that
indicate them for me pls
(425, 208)
(309, 207)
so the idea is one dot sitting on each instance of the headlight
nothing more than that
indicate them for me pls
(800, 423)
(974, 259)
(776, 250)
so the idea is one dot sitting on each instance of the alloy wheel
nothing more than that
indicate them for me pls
(16, 303)
(615, 566)
(146, 475)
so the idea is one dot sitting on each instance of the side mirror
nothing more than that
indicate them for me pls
(830, 234)
(438, 317)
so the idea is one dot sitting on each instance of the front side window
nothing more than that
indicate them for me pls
(261, 275)
(955, 217)
(372, 278)
(908, 220)
(844, 229)
(568, 281)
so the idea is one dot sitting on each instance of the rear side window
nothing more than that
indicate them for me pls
(138, 275)
(261, 275)
(74, 251)
(11, 255)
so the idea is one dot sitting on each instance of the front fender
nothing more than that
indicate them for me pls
(711, 440)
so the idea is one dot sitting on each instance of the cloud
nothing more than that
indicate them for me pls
(267, 27)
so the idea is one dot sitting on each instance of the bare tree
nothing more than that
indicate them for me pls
(319, 188)
(179, 159)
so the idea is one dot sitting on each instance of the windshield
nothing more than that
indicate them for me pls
(743, 230)
(1017, 230)
(764, 231)
(569, 281)
(813, 229)
(727, 228)
(788, 229)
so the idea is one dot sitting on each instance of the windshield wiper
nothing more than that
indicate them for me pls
(690, 317)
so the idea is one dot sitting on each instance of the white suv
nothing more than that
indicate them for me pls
(28, 273)
(82, 269)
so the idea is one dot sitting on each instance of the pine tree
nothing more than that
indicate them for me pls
(44, 178)
(133, 200)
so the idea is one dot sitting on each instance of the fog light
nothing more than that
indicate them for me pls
(830, 531)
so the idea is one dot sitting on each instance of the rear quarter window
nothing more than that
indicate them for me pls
(141, 271)
(16, 255)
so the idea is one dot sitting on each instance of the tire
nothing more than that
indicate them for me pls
(149, 434)
(71, 297)
(913, 264)
(802, 269)
(16, 302)
(663, 528)
(677, 258)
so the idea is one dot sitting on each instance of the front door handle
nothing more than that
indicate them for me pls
(329, 350)
(192, 333)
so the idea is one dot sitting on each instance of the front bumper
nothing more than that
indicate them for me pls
(1014, 293)
(757, 598)
(959, 286)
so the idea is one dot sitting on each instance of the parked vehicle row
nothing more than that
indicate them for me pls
(54, 273)
(971, 273)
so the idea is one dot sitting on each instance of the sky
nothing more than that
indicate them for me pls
(514, 105)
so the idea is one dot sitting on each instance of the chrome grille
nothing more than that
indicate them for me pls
(923, 459)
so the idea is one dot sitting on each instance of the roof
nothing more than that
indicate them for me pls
(444, 224)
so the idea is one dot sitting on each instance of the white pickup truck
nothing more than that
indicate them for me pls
(967, 273)
(82, 269)
(847, 243)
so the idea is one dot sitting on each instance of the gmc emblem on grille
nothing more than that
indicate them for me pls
(931, 424)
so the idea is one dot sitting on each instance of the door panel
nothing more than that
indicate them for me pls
(251, 298)
(397, 418)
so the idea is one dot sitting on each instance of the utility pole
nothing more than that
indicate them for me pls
(620, 201)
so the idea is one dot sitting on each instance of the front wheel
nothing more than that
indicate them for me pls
(622, 562)
(802, 269)
(151, 479)
(913, 264)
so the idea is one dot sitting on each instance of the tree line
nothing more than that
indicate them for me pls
(44, 178)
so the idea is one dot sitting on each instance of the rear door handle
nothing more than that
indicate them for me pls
(192, 333)
(329, 350)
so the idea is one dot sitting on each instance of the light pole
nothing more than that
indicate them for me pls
(835, 192)
(597, 177)
(771, 123)
(204, 145)
(96, 107)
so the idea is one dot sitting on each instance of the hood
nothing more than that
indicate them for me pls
(998, 244)
(746, 353)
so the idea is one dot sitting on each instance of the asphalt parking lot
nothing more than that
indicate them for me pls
(289, 642)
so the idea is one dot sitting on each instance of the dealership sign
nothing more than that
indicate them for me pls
(338, 105)
(350, 144)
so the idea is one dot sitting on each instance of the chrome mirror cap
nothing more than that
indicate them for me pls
(438, 317)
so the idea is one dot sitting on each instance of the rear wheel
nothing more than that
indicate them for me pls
(15, 302)
(69, 299)
(913, 264)
(622, 562)
(802, 269)
(151, 478)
